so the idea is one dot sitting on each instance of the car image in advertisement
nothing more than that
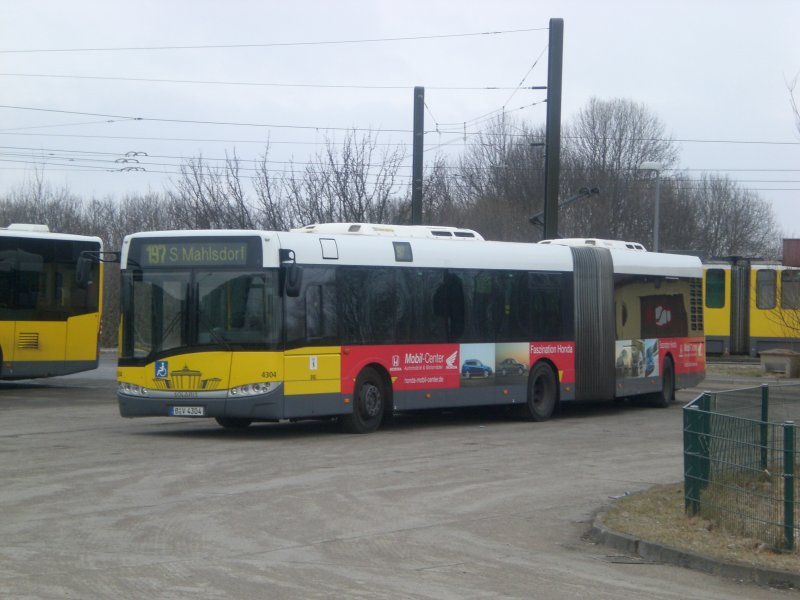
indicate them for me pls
(472, 367)
(512, 363)
(477, 362)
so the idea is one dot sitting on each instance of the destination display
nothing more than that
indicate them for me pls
(197, 253)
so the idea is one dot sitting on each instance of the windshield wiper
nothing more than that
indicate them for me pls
(170, 326)
(214, 332)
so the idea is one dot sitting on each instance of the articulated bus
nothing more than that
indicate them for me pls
(359, 321)
(751, 306)
(49, 323)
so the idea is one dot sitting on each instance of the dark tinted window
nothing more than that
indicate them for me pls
(545, 307)
(420, 310)
(366, 297)
(311, 317)
(715, 288)
(790, 289)
(237, 308)
(765, 288)
(411, 305)
(37, 279)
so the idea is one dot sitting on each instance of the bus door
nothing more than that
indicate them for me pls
(740, 303)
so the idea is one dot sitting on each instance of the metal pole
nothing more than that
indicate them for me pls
(417, 150)
(788, 485)
(553, 131)
(691, 483)
(764, 425)
(696, 449)
(656, 225)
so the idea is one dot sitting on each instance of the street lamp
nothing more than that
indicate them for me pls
(584, 192)
(655, 166)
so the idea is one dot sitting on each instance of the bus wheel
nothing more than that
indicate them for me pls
(233, 422)
(369, 403)
(542, 394)
(667, 394)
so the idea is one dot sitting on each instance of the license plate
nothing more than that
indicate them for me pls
(187, 411)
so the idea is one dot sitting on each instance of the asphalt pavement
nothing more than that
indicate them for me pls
(455, 505)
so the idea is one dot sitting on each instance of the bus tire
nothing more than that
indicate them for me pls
(233, 422)
(542, 394)
(369, 403)
(666, 396)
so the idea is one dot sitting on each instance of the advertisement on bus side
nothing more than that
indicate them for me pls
(689, 354)
(441, 366)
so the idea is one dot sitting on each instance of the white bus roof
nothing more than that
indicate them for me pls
(42, 232)
(408, 231)
(378, 249)
(28, 227)
(610, 244)
(427, 252)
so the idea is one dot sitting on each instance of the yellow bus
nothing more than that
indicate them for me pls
(357, 321)
(751, 306)
(49, 324)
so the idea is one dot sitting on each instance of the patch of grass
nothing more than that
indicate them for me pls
(657, 515)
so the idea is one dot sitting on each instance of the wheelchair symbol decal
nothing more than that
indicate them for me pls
(161, 369)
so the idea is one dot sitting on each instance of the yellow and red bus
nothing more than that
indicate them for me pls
(49, 323)
(358, 321)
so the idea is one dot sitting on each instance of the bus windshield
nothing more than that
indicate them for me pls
(170, 310)
(37, 280)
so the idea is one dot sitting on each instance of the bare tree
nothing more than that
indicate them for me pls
(210, 197)
(271, 200)
(353, 181)
(495, 185)
(603, 147)
(36, 201)
(730, 220)
(443, 197)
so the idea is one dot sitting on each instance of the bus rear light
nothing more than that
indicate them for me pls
(347, 400)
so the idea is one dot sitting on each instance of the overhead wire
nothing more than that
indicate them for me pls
(276, 44)
(148, 162)
(259, 84)
(462, 134)
(373, 130)
(525, 77)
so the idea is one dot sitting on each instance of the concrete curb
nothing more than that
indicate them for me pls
(655, 552)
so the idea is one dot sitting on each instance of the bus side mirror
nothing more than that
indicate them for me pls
(83, 272)
(83, 269)
(294, 280)
(292, 274)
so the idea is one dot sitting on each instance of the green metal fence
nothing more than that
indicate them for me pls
(741, 460)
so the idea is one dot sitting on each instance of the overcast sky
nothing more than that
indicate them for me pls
(715, 72)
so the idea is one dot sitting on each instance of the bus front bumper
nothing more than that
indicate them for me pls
(272, 406)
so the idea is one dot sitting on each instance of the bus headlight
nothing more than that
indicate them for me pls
(131, 389)
(251, 389)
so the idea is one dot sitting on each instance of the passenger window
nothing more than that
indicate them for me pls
(790, 289)
(313, 312)
(715, 288)
(765, 288)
